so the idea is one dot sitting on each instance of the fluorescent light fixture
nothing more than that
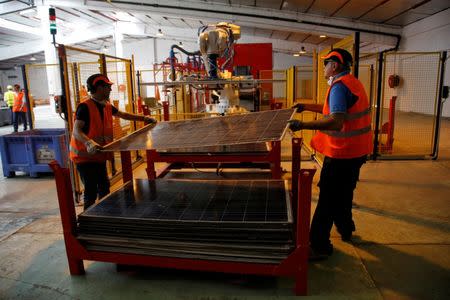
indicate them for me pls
(302, 50)
(124, 16)
(160, 33)
(322, 36)
(27, 11)
(32, 57)
(296, 54)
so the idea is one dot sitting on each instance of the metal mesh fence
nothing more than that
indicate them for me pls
(80, 65)
(304, 83)
(409, 99)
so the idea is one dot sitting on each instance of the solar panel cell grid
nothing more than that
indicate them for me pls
(228, 130)
(210, 201)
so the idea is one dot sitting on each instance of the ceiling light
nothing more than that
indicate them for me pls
(32, 57)
(302, 50)
(322, 36)
(296, 54)
(180, 44)
(160, 33)
(105, 48)
(27, 12)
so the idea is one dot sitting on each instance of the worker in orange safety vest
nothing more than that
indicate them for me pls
(92, 129)
(19, 109)
(344, 136)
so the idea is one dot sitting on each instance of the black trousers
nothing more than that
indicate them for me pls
(95, 180)
(19, 116)
(337, 182)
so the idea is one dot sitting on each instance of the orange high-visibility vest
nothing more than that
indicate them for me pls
(355, 137)
(99, 131)
(19, 105)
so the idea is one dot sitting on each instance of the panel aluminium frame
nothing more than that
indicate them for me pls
(295, 265)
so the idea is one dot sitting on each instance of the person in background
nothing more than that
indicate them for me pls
(344, 137)
(8, 97)
(19, 109)
(83, 94)
(92, 129)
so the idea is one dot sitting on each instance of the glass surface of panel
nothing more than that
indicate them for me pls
(228, 130)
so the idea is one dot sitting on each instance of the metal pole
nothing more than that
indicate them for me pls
(439, 107)
(356, 58)
(138, 76)
(27, 98)
(378, 106)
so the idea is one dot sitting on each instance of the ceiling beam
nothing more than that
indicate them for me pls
(238, 14)
(76, 37)
(19, 27)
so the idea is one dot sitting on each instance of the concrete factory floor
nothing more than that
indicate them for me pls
(401, 249)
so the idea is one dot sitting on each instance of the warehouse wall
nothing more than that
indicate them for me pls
(144, 54)
(282, 61)
(10, 77)
(430, 34)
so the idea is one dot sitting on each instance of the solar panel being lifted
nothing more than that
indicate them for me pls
(248, 128)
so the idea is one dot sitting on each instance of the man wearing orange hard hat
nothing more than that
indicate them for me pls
(92, 129)
(344, 137)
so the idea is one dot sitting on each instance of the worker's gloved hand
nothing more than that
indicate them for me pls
(295, 125)
(92, 147)
(149, 120)
(299, 107)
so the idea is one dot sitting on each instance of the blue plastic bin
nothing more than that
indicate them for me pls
(31, 151)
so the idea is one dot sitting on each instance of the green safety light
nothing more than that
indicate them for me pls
(52, 18)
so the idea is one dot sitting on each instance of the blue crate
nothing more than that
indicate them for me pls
(31, 151)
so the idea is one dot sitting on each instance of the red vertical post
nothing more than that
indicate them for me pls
(166, 110)
(302, 234)
(151, 172)
(206, 95)
(127, 169)
(145, 110)
(68, 215)
(139, 104)
(296, 158)
(390, 133)
(275, 164)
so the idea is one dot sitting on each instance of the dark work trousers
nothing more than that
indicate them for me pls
(17, 117)
(12, 115)
(337, 182)
(95, 180)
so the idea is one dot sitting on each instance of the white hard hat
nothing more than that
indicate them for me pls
(9, 87)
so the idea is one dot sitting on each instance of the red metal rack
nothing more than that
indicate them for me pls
(272, 157)
(295, 265)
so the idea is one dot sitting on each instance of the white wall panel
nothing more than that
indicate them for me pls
(430, 34)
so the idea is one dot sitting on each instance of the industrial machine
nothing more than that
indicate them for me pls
(216, 41)
(206, 80)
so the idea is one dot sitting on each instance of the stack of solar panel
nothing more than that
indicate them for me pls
(232, 220)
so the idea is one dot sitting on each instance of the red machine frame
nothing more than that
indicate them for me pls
(273, 157)
(295, 265)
